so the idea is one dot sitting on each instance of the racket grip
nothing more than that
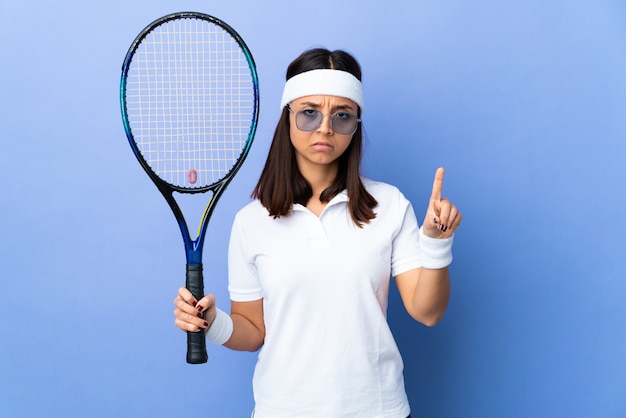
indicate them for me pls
(196, 341)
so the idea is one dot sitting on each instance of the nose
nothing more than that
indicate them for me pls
(326, 124)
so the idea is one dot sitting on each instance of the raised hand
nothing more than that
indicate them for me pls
(442, 217)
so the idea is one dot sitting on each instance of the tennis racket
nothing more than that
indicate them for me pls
(190, 102)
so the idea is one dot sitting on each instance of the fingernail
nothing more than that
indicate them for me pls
(194, 303)
(200, 308)
(199, 314)
(206, 324)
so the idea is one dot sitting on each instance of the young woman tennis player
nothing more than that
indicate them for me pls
(310, 260)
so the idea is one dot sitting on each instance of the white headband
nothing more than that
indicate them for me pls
(327, 82)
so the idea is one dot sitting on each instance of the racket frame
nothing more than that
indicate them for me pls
(193, 247)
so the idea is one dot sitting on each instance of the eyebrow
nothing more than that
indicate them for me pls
(333, 109)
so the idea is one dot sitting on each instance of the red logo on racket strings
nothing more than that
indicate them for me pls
(192, 176)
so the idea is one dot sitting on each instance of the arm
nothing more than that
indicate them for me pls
(248, 325)
(425, 293)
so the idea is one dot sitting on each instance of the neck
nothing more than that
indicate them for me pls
(320, 178)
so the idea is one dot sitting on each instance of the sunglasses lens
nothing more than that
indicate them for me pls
(342, 123)
(308, 120)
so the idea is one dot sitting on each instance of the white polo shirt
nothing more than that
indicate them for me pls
(324, 282)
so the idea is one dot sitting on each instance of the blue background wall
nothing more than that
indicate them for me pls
(524, 103)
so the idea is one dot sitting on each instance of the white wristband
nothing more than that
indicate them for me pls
(221, 329)
(436, 252)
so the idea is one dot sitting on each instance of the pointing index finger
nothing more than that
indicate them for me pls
(437, 184)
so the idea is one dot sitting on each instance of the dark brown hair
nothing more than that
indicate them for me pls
(281, 184)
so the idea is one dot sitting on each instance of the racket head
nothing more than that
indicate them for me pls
(190, 101)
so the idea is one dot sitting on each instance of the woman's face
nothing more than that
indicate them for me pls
(321, 147)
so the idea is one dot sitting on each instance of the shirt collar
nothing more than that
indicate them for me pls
(341, 197)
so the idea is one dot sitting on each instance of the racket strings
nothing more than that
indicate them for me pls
(190, 101)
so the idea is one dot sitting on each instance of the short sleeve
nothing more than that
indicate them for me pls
(243, 282)
(405, 253)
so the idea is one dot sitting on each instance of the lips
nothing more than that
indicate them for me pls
(322, 146)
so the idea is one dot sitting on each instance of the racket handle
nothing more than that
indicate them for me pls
(196, 341)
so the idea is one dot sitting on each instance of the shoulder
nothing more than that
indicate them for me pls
(381, 191)
(252, 211)
(250, 221)
(391, 201)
